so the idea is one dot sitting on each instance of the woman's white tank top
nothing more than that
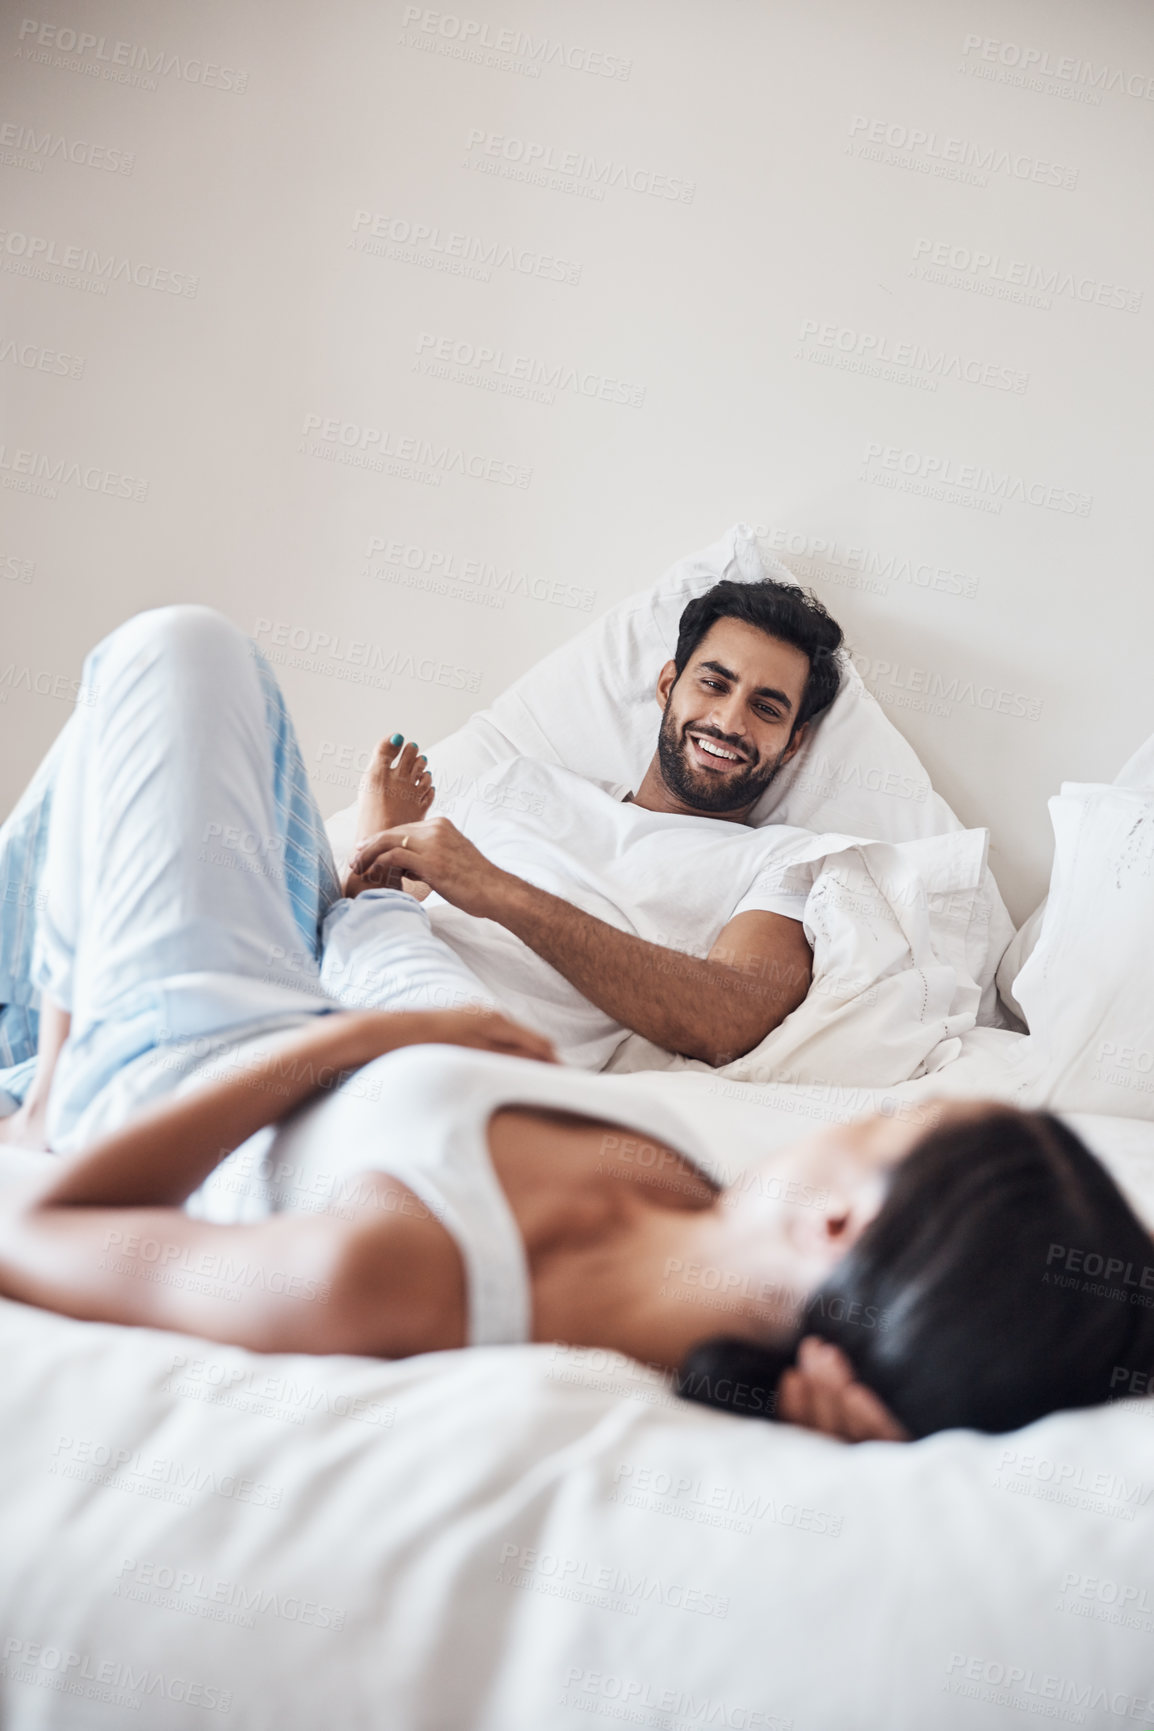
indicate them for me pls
(422, 1114)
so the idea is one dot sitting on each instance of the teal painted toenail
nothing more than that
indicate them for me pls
(396, 739)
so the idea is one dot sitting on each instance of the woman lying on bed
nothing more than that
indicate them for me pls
(485, 1210)
(471, 1191)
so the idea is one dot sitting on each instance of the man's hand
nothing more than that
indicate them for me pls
(485, 1029)
(823, 1394)
(715, 1008)
(435, 853)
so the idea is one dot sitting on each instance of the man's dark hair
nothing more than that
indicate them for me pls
(780, 610)
(955, 1306)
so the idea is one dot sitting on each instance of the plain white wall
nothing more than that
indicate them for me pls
(576, 286)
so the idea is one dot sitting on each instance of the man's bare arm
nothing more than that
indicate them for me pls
(716, 1008)
(712, 1009)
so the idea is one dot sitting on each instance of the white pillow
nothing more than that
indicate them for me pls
(1085, 991)
(1138, 772)
(893, 989)
(591, 706)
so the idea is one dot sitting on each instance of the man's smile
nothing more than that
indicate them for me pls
(711, 754)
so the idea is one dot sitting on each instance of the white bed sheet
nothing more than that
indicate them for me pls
(510, 1539)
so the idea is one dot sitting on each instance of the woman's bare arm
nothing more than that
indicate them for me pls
(267, 1286)
(164, 1153)
(103, 1238)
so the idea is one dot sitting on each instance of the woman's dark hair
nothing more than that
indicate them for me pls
(780, 610)
(1004, 1277)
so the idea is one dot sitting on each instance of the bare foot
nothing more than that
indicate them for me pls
(396, 788)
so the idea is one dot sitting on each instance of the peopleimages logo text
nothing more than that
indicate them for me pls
(1018, 273)
(119, 57)
(1067, 68)
(997, 484)
(944, 148)
(110, 267)
(576, 166)
(473, 34)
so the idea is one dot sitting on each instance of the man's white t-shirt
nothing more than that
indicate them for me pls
(671, 880)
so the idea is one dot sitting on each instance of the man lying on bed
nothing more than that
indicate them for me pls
(589, 910)
(582, 912)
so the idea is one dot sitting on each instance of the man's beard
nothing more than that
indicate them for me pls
(698, 788)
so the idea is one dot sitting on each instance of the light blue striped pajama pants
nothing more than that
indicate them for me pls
(166, 878)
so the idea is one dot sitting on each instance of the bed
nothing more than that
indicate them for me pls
(517, 1538)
